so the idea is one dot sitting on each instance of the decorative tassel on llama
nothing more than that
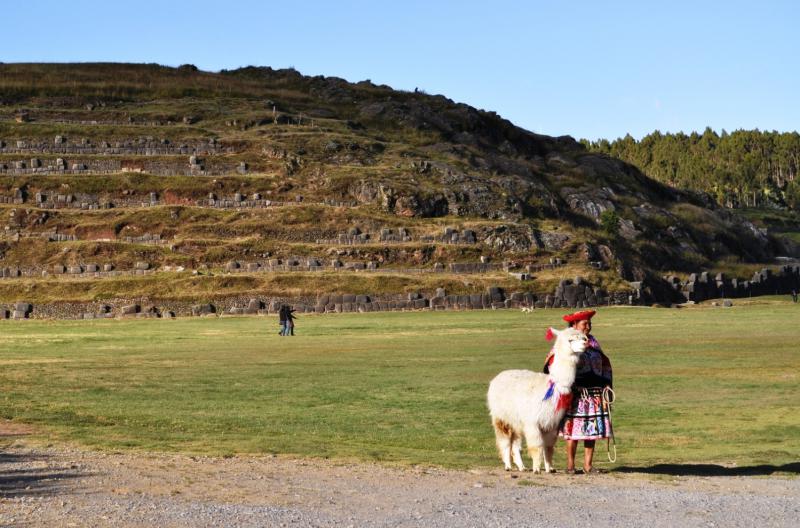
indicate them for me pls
(564, 400)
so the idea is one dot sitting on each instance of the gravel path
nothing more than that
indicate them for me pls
(68, 487)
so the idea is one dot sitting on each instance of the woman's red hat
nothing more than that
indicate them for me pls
(584, 315)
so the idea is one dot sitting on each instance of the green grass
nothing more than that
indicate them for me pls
(698, 385)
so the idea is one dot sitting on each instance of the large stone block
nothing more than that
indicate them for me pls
(130, 309)
(204, 309)
(494, 290)
(529, 298)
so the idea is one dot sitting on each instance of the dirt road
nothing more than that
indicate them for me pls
(64, 487)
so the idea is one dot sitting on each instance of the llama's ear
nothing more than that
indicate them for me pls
(551, 334)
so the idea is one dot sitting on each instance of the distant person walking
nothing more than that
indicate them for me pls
(794, 295)
(290, 321)
(588, 417)
(282, 313)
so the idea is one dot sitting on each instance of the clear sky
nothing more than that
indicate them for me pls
(585, 68)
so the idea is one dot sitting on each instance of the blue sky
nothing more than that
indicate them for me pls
(584, 68)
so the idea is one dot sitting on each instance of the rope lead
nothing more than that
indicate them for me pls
(608, 398)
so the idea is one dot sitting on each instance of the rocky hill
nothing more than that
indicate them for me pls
(162, 185)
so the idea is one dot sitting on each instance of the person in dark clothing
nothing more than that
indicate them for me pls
(282, 312)
(290, 321)
(794, 295)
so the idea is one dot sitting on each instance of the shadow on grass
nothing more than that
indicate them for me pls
(711, 470)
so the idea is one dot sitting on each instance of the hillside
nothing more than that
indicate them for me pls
(270, 184)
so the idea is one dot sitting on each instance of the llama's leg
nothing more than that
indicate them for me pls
(536, 458)
(516, 448)
(549, 447)
(503, 436)
(548, 459)
(533, 438)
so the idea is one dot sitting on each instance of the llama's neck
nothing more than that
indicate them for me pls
(562, 372)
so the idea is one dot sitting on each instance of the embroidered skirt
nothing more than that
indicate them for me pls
(588, 417)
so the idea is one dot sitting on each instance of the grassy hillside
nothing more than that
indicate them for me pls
(258, 163)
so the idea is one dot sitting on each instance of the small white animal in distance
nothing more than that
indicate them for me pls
(527, 309)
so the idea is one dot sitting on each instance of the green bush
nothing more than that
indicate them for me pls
(609, 222)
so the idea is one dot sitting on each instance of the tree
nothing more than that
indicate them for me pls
(742, 168)
(609, 222)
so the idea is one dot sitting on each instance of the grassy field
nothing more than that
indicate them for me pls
(696, 385)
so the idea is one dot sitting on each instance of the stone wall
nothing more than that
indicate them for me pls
(702, 286)
(494, 298)
(77, 271)
(295, 264)
(354, 236)
(134, 147)
(158, 167)
(53, 200)
(316, 264)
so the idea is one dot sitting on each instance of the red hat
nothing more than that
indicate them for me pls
(585, 315)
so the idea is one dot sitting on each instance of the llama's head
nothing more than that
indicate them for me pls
(570, 343)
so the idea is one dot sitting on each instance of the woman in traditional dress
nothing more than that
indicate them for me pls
(588, 417)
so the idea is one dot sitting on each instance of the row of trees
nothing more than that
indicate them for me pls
(744, 168)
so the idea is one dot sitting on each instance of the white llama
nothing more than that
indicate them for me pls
(522, 402)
